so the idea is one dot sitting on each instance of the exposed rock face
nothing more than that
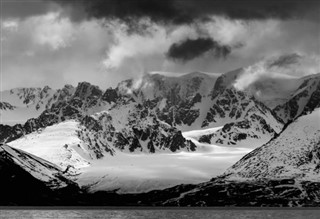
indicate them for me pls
(9, 133)
(6, 106)
(111, 95)
(229, 105)
(197, 101)
(298, 101)
(67, 103)
(187, 102)
(283, 172)
(28, 95)
(184, 102)
(32, 97)
(314, 101)
(142, 116)
(224, 81)
(259, 193)
(250, 119)
(21, 104)
(176, 100)
(294, 153)
(63, 94)
(142, 133)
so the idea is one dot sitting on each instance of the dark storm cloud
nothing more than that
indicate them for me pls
(187, 11)
(285, 60)
(192, 48)
(173, 11)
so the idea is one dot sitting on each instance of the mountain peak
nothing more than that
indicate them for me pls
(85, 90)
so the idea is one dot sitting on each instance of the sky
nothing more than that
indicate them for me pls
(58, 42)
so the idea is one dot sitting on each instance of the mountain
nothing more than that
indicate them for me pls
(198, 101)
(86, 99)
(283, 172)
(298, 100)
(30, 180)
(6, 106)
(141, 131)
(83, 125)
(87, 132)
(294, 153)
(245, 120)
(133, 126)
(188, 102)
(59, 144)
(179, 101)
(275, 90)
(66, 103)
(39, 168)
(25, 103)
(75, 144)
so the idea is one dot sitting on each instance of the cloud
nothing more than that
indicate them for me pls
(250, 41)
(160, 41)
(52, 30)
(137, 46)
(188, 11)
(192, 48)
(127, 46)
(10, 25)
(285, 60)
(51, 50)
(59, 42)
(287, 65)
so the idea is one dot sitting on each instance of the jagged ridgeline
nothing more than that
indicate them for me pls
(190, 102)
(151, 116)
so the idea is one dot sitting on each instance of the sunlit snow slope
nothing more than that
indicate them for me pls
(294, 153)
(128, 172)
(58, 143)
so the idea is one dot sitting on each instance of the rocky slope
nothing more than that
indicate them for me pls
(249, 122)
(75, 144)
(30, 180)
(25, 103)
(180, 101)
(81, 138)
(258, 193)
(197, 101)
(141, 131)
(188, 102)
(6, 106)
(283, 172)
(245, 120)
(59, 144)
(39, 168)
(294, 153)
(298, 100)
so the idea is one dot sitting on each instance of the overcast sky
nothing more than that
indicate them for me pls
(57, 42)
